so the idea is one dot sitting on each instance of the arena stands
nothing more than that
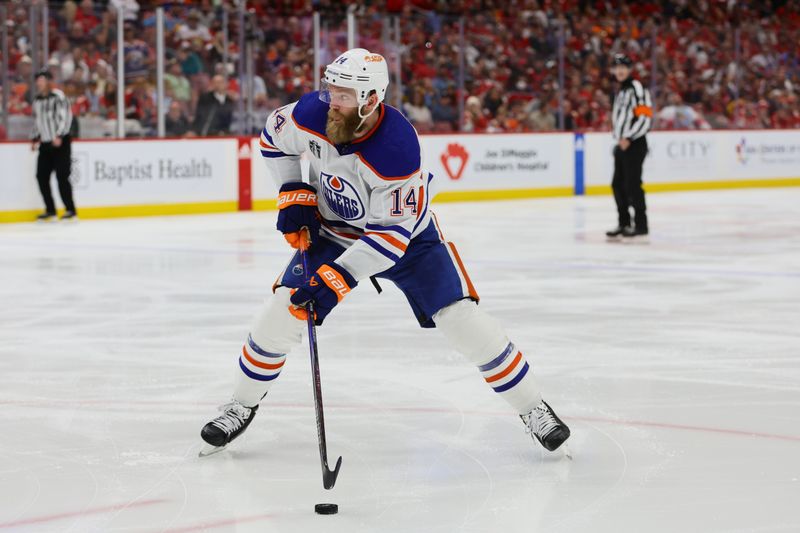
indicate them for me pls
(710, 64)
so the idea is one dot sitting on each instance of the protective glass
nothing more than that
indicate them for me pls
(335, 95)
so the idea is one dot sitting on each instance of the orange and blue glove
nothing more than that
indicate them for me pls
(297, 205)
(325, 289)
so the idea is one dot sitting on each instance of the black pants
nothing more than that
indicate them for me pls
(60, 160)
(627, 183)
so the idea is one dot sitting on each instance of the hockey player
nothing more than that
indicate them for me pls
(366, 213)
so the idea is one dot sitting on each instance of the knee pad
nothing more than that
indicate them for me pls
(274, 328)
(471, 331)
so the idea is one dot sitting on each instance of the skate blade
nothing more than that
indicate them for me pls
(209, 449)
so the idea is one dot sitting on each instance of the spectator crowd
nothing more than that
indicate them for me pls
(464, 65)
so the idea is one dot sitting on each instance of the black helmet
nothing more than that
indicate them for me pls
(44, 72)
(622, 59)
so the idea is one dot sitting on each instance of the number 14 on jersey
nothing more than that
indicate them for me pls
(409, 202)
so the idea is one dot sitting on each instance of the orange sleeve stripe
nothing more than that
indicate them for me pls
(470, 287)
(381, 176)
(259, 364)
(288, 198)
(643, 110)
(330, 228)
(438, 229)
(507, 371)
(334, 281)
(391, 240)
(265, 144)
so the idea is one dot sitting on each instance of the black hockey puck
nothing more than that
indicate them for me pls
(326, 508)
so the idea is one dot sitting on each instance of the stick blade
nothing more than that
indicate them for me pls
(329, 476)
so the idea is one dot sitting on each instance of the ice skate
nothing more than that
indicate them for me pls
(636, 234)
(636, 231)
(616, 233)
(230, 424)
(544, 424)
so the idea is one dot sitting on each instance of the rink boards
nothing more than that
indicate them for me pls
(156, 177)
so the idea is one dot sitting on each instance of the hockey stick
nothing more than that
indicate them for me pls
(328, 476)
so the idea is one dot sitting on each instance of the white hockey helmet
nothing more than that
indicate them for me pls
(357, 69)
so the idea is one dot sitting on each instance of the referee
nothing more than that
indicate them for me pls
(51, 131)
(631, 119)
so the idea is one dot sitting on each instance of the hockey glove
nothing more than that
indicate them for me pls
(297, 204)
(325, 289)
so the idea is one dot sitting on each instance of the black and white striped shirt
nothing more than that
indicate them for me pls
(52, 116)
(632, 114)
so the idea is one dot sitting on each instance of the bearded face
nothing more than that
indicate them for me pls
(342, 124)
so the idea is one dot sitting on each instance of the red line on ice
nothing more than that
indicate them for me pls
(220, 523)
(640, 423)
(84, 512)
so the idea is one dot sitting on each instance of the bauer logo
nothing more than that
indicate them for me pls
(454, 160)
(341, 197)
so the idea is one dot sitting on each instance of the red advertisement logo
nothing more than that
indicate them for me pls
(454, 160)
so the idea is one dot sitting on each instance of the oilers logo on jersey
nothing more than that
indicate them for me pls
(341, 197)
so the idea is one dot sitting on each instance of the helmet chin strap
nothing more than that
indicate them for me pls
(364, 117)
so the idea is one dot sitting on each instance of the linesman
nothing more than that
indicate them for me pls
(52, 116)
(631, 118)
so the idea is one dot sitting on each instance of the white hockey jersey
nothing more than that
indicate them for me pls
(372, 193)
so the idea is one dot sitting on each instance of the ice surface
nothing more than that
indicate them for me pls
(676, 363)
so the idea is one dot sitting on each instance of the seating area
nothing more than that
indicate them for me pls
(709, 64)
